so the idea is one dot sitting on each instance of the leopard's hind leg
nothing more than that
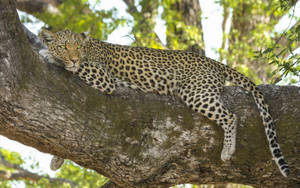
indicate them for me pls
(205, 99)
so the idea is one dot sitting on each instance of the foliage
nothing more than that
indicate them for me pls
(287, 61)
(83, 177)
(80, 176)
(77, 16)
(144, 21)
(14, 158)
(252, 26)
(179, 34)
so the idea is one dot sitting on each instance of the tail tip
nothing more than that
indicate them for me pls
(285, 172)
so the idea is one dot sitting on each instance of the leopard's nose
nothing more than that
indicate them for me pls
(74, 59)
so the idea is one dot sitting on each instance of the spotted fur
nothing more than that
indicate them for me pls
(195, 79)
(56, 163)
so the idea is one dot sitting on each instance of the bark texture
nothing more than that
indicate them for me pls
(38, 6)
(136, 139)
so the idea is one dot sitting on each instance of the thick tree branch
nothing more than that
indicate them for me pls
(38, 6)
(22, 174)
(136, 139)
(110, 184)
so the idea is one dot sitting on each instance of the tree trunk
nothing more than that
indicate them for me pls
(144, 22)
(183, 17)
(245, 20)
(136, 139)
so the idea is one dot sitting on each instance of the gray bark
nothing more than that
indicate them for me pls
(38, 6)
(136, 139)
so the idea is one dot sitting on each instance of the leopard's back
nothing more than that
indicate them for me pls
(153, 70)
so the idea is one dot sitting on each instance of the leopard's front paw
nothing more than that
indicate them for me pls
(56, 163)
(227, 152)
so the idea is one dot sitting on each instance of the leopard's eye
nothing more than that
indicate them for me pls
(62, 47)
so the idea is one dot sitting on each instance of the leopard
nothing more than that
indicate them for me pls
(196, 80)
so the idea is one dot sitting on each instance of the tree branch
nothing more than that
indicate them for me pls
(110, 184)
(241, 31)
(133, 138)
(283, 41)
(187, 12)
(131, 7)
(226, 13)
(22, 174)
(145, 21)
(38, 6)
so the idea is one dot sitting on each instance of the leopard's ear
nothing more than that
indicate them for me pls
(83, 36)
(46, 36)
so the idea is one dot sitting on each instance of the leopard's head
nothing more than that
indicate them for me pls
(66, 46)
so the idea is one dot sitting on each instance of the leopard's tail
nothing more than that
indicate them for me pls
(242, 81)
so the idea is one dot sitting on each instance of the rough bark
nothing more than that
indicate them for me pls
(136, 139)
(38, 6)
